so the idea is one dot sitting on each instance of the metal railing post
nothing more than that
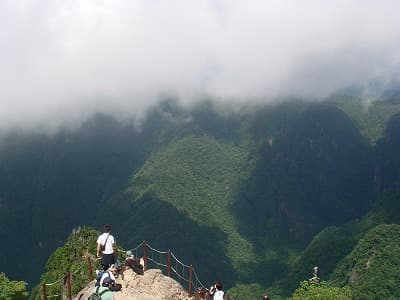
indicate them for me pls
(69, 289)
(90, 268)
(144, 256)
(190, 280)
(169, 263)
(44, 293)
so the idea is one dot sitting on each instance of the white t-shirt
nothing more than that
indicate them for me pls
(109, 245)
(218, 295)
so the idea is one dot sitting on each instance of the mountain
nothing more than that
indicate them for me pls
(252, 195)
(371, 269)
(313, 169)
(331, 247)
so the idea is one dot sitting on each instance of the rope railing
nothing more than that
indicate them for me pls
(197, 283)
(136, 248)
(152, 258)
(162, 259)
(184, 272)
(176, 271)
(64, 289)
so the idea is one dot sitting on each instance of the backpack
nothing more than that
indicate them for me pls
(97, 295)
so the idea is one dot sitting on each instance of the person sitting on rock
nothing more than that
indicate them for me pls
(107, 274)
(111, 284)
(133, 263)
(108, 279)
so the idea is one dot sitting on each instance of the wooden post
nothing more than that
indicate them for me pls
(90, 268)
(44, 294)
(190, 280)
(69, 290)
(169, 263)
(144, 256)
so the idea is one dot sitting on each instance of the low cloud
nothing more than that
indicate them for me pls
(63, 60)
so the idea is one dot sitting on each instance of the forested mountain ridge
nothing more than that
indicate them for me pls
(372, 263)
(254, 186)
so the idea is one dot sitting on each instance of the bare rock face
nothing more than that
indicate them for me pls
(153, 285)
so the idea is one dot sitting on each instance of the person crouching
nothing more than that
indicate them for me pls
(108, 280)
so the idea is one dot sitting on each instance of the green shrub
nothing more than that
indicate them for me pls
(10, 290)
(320, 291)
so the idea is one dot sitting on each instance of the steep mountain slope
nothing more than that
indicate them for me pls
(313, 170)
(329, 248)
(371, 269)
(195, 177)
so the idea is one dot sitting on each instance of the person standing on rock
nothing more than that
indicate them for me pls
(105, 247)
(216, 291)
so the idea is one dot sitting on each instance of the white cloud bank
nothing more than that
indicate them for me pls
(63, 59)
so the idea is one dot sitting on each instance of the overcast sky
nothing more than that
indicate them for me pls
(61, 60)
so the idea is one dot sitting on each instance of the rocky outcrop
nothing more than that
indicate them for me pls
(153, 285)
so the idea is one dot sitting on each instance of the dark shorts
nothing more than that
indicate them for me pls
(108, 259)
